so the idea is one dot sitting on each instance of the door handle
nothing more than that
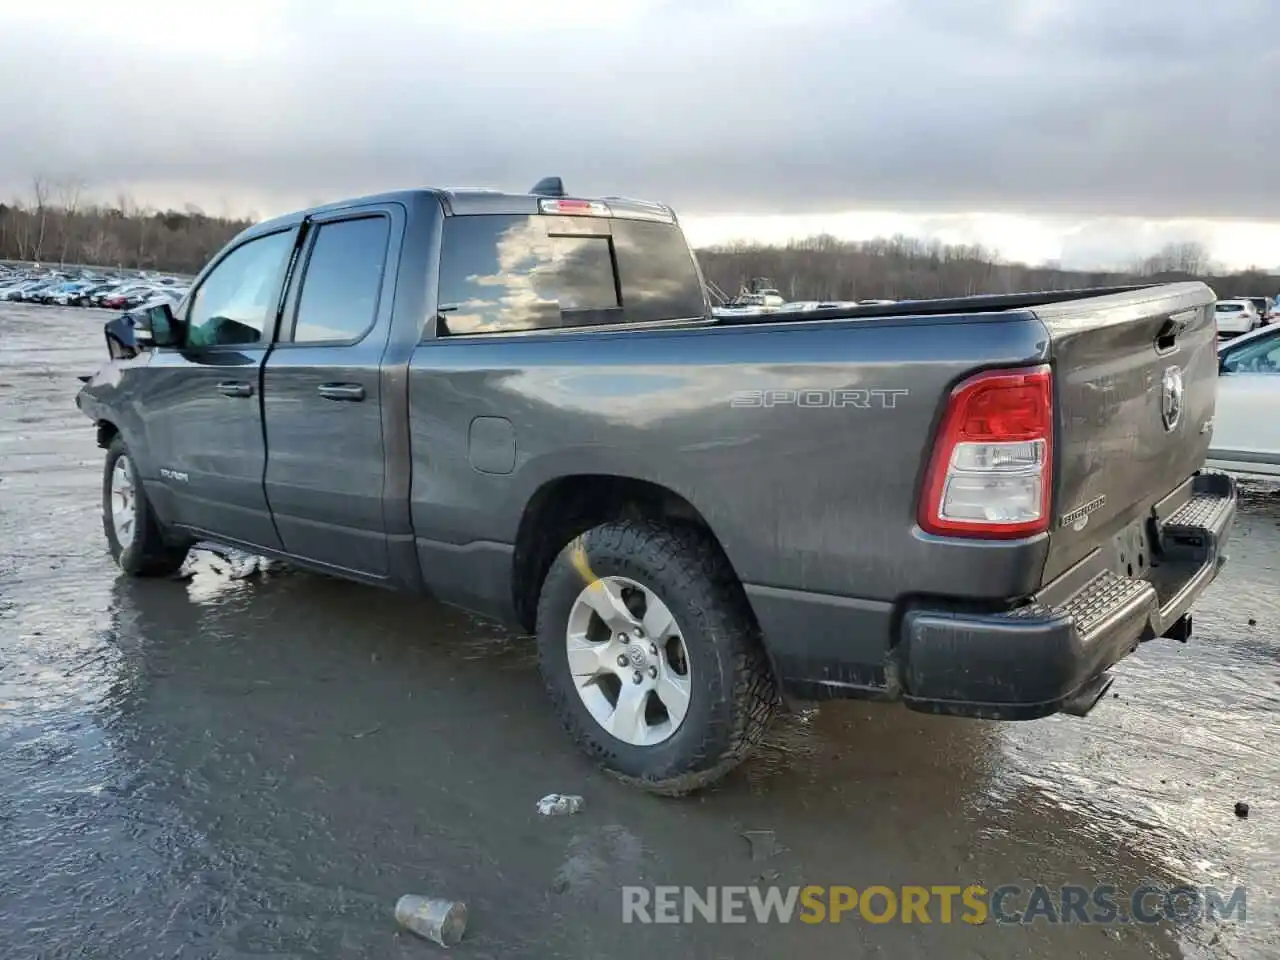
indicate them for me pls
(234, 388)
(341, 391)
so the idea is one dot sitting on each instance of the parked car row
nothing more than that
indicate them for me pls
(83, 289)
(1244, 314)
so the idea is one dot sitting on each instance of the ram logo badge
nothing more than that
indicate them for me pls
(1171, 398)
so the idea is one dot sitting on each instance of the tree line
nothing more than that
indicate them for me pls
(56, 225)
(899, 268)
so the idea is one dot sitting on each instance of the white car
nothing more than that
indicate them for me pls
(1236, 316)
(1246, 429)
(1264, 305)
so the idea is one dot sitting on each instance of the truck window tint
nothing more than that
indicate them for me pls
(237, 300)
(343, 279)
(659, 277)
(506, 273)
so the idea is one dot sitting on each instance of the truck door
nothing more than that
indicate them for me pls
(201, 407)
(322, 393)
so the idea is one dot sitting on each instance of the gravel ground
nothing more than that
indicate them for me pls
(234, 767)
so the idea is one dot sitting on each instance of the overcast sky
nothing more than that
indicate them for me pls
(1026, 124)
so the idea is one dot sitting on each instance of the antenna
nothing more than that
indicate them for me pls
(548, 187)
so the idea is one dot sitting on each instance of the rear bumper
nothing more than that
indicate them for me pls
(1053, 654)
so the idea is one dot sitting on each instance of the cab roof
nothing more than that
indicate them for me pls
(547, 196)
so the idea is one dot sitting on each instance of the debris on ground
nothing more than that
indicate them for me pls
(440, 921)
(1253, 622)
(764, 843)
(1242, 809)
(228, 561)
(87, 663)
(559, 804)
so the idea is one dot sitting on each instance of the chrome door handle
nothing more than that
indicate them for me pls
(341, 391)
(234, 388)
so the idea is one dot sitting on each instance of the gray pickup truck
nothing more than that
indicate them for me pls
(522, 404)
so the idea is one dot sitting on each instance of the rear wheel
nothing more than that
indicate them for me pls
(134, 535)
(651, 655)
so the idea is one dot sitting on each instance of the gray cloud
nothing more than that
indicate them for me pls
(1041, 107)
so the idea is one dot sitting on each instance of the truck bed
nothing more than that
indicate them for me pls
(802, 440)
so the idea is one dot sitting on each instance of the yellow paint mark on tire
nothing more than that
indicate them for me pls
(578, 557)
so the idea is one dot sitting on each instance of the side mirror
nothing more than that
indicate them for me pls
(156, 326)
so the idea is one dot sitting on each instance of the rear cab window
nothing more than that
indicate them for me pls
(502, 273)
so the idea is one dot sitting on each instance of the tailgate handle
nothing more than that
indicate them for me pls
(1167, 338)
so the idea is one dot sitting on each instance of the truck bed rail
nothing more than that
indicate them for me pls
(983, 303)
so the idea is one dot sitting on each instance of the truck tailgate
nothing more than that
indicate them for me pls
(1135, 378)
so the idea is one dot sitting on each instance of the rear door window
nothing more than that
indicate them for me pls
(342, 282)
(508, 273)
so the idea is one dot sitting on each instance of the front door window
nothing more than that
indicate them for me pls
(236, 302)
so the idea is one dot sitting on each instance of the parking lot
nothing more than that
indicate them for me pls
(223, 767)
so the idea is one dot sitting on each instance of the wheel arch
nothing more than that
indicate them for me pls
(563, 507)
(107, 431)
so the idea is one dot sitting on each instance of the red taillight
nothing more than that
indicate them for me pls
(992, 467)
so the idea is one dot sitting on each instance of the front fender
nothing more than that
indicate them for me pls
(101, 400)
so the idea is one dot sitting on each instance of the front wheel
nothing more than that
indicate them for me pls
(134, 535)
(652, 657)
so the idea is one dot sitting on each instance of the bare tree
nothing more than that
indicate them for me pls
(1188, 258)
(68, 194)
(40, 193)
